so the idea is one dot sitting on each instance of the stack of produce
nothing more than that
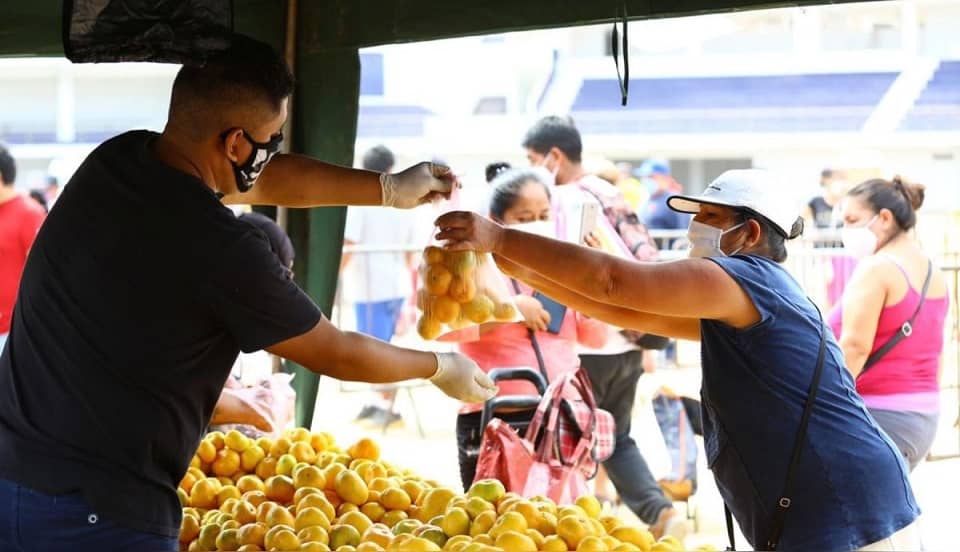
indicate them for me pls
(460, 288)
(303, 492)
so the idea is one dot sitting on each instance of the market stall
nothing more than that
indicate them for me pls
(321, 40)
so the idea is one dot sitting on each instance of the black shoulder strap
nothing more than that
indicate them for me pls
(905, 331)
(536, 345)
(783, 504)
(729, 516)
(779, 516)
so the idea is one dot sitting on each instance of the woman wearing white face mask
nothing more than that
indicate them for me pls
(895, 283)
(796, 456)
(521, 200)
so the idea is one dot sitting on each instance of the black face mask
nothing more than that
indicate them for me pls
(246, 174)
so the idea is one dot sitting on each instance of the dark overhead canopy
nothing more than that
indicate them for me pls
(360, 23)
(33, 27)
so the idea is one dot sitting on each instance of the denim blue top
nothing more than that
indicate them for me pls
(850, 488)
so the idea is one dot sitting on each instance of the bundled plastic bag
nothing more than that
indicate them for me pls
(272, 398)
(459, 289)
(283, 400)
(97, 31)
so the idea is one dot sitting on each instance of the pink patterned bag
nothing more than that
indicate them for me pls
(553, 468)
(563, 481)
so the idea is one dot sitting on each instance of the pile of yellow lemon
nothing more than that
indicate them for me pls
(450, 295)
(302, 492)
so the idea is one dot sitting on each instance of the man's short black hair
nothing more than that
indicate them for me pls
(8, 167)
(249, 74)
(378, 158)
(555, 132)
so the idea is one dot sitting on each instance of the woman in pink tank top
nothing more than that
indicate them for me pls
(901, 388)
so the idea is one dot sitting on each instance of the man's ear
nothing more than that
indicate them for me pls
(231, 144)
(557, 154)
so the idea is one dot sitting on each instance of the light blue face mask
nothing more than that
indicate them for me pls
(705, 239)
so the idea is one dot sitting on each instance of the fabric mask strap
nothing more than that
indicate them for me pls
(272, 145)
(724, 233)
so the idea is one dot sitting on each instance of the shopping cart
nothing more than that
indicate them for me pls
(513, 403)
(501, 407)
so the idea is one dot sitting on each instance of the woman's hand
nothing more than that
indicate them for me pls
(592, 240)
(469, 231)
(534, 315)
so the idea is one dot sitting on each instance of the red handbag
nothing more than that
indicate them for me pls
(504, 455)
(544, 469)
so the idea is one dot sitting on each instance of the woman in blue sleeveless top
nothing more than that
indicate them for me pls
(761, 338)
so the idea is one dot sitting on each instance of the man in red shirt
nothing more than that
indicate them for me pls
(20, 218)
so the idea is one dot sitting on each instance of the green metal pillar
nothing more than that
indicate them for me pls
(325, 126)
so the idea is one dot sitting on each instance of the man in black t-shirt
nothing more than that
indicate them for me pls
(142, 288)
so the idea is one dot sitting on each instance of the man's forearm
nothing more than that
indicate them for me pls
(292, 180)
(362, 358)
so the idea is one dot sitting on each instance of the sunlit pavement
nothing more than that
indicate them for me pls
(936, 484)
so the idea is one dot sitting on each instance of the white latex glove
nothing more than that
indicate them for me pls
(416, 185)
(461, 378)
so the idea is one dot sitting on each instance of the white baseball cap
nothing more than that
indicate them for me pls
(752, 190)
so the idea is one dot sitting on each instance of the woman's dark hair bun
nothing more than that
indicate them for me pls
(494, 169)
(914, 191)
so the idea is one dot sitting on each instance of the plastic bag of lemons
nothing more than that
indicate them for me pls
(459, 289)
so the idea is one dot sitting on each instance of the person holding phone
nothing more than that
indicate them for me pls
(521, 200)
(583, 199)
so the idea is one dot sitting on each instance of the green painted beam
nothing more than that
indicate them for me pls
(326, 105)
(31, 28)
(262, 19)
